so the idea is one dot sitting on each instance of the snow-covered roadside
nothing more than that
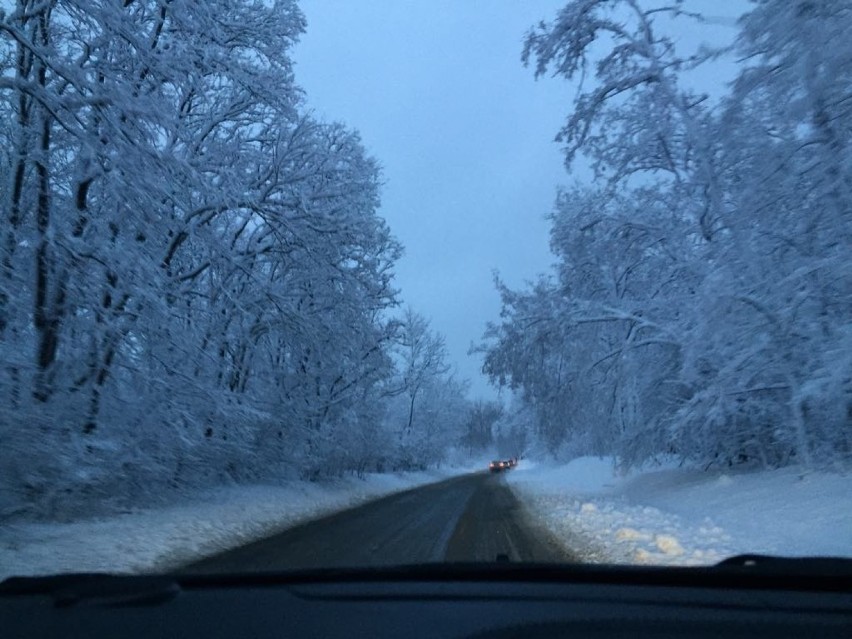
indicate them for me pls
(160, 539)
(681, 517)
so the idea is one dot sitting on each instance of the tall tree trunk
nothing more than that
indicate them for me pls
(46, 314)
(24, 62)
(411, 413)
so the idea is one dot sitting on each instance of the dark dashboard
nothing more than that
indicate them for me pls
(733, 600)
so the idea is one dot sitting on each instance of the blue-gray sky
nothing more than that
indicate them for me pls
(464, 134)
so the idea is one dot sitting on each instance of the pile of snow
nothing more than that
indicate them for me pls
(158, 540)
(674, 516)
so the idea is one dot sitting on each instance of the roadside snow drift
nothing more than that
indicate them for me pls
(682, 517)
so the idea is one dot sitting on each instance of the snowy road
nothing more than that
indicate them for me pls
(469, 518)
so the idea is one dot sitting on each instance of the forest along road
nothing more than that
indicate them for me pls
(469, 518)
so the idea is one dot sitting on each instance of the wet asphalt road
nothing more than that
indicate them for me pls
(470, 518)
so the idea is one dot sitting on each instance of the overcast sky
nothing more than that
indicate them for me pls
(465, 138)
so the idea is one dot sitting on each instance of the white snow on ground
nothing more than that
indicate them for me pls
(157, 540)
(687, 517)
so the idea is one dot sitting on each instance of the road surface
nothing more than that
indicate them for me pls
(470, 518)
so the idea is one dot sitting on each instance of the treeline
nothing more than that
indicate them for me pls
(701, 301)
(195, 285)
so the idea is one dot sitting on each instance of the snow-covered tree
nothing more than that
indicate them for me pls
(195, 281)
(427, 405)
(701, 298)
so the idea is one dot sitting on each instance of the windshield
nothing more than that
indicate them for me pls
(326, 283)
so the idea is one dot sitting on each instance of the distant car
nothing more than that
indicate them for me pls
(497, 465)
(512, 462)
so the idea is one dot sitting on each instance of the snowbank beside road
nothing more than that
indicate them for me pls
(161, 539)
(681, 517)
